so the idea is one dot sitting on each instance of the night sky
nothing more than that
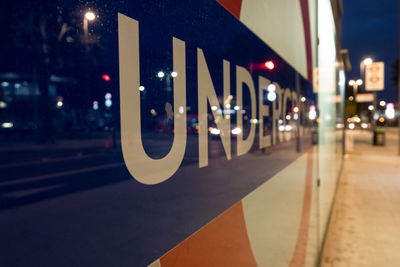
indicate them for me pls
(370, 29)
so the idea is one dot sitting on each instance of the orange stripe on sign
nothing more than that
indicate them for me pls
(222, 242)
(233, 6)
(299, 255)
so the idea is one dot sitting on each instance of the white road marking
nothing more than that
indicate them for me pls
(50, 160)
(61, 174)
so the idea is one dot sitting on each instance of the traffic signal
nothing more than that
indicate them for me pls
(269, 64)
(106, 77)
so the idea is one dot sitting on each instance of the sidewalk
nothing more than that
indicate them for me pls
(365, 226)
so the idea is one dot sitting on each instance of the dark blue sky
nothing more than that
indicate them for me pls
(370, 29)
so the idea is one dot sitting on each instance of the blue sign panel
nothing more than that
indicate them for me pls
(194, 120)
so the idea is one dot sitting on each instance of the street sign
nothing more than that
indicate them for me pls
(375, 77)
(364, 98)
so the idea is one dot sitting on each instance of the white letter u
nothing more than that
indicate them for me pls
(143, 168)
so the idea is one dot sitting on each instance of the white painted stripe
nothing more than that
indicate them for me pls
(30, 191)
(51, 160)
(61, 174)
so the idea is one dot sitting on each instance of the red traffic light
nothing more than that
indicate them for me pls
(269, 65)
(296, 109)
(106, 77)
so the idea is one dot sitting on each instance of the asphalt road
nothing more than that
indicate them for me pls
(80, 206)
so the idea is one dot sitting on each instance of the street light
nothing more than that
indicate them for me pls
(367, 61)
(90, 15)
(355, 85)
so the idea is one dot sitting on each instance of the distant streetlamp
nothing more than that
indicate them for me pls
(355, 84)
(367, 61)
(89, 16)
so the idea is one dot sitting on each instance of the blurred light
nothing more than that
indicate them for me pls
(5, 84)
(351, 98)
(107, 96)
(254, 121)
(328, 117)
(214, 108)
(153, 112)
(288, 117)
(381, 119)
(181, 110)
(174, 74)
(342, 78)
(90, 15)
(296, 116)
(340, 125)
(108, 103)
(296, 109)
(60, 102)
(269, 65)
(280, 121)
(359, 82)
(312, 115)
(271, 96)
(371, 107)
(281, 128)
(352, 82)
(214, 131)
(271, 88)
(364, 125)
(95, 105)
(227, 117)
(228, 105)
(351, 126)
(141, 88)
(237, 130)
(160, 74)
(390, 112)
(106, 77)
(303, 99)
(390, 106)
(357, 119)
(236, 107)
(288, 128)
(3, 104)
(17, 85)
(7, 125)
(367, 61)
(382, 103)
